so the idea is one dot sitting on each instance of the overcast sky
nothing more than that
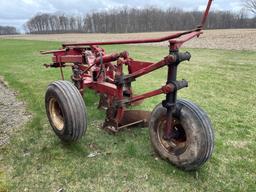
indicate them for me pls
(17, 12)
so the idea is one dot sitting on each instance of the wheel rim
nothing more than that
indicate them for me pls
(56, 114)
(176, 145)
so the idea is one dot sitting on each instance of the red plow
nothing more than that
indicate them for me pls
(180, 131)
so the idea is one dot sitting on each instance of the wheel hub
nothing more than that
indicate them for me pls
(56, 114)
(177, 144)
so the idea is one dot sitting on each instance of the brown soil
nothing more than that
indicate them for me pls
(230, 39)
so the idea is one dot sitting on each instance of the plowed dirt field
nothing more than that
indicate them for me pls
(230, 39)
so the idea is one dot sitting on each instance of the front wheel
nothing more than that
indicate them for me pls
(66, 110)
(193, 143)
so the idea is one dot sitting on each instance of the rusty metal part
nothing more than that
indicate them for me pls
(177, 143)
(137, 103)
(61, 73)
(103, 102)
(110, 126)
(131, 116)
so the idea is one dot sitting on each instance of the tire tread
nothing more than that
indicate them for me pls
(74, 107)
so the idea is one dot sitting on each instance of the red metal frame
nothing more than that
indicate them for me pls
(93, 68)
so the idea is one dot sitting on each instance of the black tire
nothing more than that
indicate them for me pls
(66, 110)
(194, 141)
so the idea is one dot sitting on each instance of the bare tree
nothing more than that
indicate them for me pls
(125, 20)
(251, 6)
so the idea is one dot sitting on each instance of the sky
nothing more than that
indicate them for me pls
(17, 12)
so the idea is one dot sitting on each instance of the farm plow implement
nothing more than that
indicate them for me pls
(180, 131)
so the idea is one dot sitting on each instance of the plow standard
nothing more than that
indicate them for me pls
(180, 131)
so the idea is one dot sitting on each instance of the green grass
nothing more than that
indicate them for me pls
(222, 82)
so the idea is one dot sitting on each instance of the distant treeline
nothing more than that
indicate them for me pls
(135, 20)
(8, 30)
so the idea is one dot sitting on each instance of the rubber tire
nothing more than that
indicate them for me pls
(199, 135)
(73, 109)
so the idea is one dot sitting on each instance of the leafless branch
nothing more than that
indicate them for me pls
(251, 6)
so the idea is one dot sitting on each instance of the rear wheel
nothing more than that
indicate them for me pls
(193, 140)
(66, 110)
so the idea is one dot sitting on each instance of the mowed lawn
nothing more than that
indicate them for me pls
(222, 82)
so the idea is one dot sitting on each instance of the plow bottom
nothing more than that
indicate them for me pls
(131, 118)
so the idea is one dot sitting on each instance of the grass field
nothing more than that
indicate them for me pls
(222, 82)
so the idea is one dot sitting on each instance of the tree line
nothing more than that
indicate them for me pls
(127, 20)
(8, 30)
(51, 23)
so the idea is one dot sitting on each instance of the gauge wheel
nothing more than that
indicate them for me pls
(193, 138)
(66, 110)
